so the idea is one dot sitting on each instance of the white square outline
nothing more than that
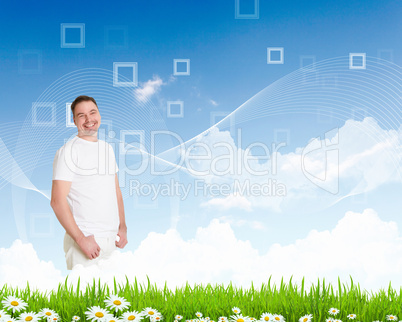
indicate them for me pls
(138, 205)
(36, 234)
(122, 147)
(116, 66)
(281, 51)
(106, 37)
(69, 114)
(352, 55)
(35, 105)
(309, 67)
(65, 26)
(391, 54)
(255, 15)
(175, 72)
(170, 103)
(214, 114)
(21, 53)
(287, 131)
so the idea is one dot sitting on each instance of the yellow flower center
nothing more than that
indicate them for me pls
(116, 302)
(333, 310)
(266, 318)
(277, 318)
(54, 319)
(48, 313)
(157, 318)
(28, 318)
(235, 311)
(151, 312)
(112, 321)
(99, 314)
(240, 320)
(14, 303)
(305, 320)
(131, 317)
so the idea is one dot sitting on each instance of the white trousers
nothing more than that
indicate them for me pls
(74, 254)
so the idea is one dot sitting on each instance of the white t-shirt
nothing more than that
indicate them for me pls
(91, 168)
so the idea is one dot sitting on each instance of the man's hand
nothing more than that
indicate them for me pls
(89, 246)
(123, 237)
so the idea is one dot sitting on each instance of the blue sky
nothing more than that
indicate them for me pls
(228, 67)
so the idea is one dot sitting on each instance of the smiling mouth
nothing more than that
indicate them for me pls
(90, 126)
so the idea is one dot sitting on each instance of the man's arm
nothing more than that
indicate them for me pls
(122, 227)
(60, 190)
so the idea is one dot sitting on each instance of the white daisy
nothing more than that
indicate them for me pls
(149, 312)
(266, 317)
(278, 318)
(47, 313)
(132, 316)
(223, 319)
(111, 318)
(329, 320)
(75, 318)
(392, 317)
(337, 320)
(351, 316)
(4, 315)
(333, 311)
(157, 317)
(8, 318)
(97, 314)
(251, 319)
(53, 318)
(198, 314)
(14, 303)
(238, 318)
(207, 318)
(29, 317)
(117, 303)
(178, 317)
(306, 318)
(236, 310)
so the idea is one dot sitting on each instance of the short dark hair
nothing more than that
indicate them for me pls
(80, 99)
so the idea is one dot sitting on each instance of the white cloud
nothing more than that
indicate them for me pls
(357, 158)
(149, 88)
(361, 245)
(253, 224)
(20, 263)
(232, 201)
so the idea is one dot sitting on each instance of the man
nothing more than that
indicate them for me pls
(86, 196)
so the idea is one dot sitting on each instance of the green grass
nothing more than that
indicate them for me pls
(288, 299)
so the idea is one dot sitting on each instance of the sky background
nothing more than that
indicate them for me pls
(345, 224)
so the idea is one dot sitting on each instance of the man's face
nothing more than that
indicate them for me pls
(86, 114)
